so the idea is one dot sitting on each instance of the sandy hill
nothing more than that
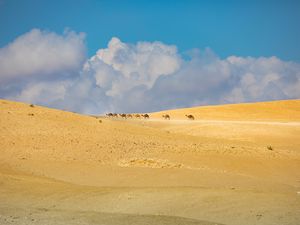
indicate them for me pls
(238, 164)
(285, 110)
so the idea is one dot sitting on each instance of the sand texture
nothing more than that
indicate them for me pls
(231, 165)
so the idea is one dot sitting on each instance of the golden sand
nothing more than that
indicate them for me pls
(234, 165)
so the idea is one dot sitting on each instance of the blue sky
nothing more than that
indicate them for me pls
(243, 28)
(95, 57)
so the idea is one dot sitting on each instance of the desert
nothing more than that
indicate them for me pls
(233, 164)
(149, 112)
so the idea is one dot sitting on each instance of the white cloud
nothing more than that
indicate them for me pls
(264, 79)
(41, 53)
(121, 67)
(44, 92)
(139, 77)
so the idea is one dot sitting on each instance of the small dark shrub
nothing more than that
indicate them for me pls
(31, 105)
(270, 147)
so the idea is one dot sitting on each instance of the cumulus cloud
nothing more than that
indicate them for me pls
(141, 77)
(263, 79)
(121, 67)
(40, 53)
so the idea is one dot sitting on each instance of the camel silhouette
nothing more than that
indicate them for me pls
(146, 116)
(190, 117)
(166, 117)
(122, 115)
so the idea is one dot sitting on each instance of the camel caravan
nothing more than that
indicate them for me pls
(127, 116)
(142, 116)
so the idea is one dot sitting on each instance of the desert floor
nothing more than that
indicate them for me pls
(234, 165)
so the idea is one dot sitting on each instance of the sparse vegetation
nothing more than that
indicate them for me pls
(100, 121)
(270, 147)
(31, 105)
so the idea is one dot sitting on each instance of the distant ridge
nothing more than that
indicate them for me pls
(283, 110)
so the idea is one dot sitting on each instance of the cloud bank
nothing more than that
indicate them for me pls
(41, 53)
(51, 69)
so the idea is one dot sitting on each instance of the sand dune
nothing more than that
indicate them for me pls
(285, 110)
(234, 164)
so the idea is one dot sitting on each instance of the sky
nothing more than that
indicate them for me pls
(139, 56)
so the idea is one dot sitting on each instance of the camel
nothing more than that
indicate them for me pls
(191, 117)
(122, 115)
(166, 117)
(146, 116)
(109, 114)
(112, 114)
(129, 116)
(137, 116)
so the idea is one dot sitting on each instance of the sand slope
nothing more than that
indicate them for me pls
(285, 110)
(59, 167)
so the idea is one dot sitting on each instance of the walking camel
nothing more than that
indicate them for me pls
(190, 117)
(122, 115)
(166, 117)
(109, 114)
(146, 116)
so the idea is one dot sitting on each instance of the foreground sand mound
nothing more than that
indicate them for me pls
(238, 164)
(149, 163)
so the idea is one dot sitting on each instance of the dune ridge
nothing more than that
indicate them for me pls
(284, 110)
